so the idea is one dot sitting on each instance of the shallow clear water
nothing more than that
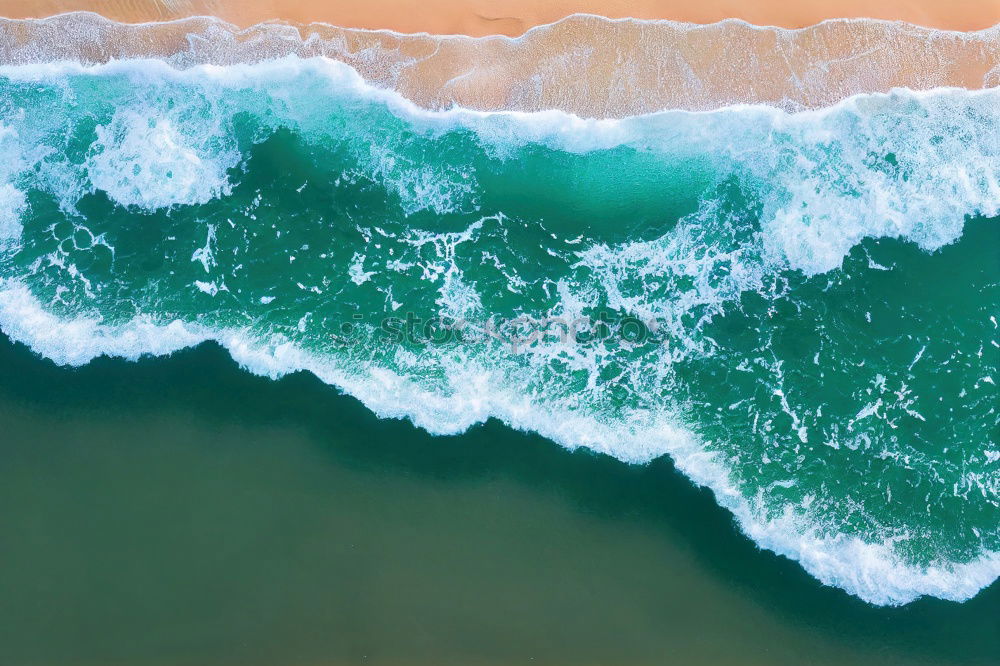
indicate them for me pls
(800, 310)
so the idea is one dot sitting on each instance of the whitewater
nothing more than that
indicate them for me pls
(800, 309)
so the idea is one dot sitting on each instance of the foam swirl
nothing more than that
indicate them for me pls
(814, 289)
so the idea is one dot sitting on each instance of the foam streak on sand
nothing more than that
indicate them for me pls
(480, 18)
(585, 65)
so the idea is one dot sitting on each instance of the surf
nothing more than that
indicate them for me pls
(287, 210)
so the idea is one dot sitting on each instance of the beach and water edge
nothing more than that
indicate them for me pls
(258, 408)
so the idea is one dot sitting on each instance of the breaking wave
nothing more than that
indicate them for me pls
(798, 308)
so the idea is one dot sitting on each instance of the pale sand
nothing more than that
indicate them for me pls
(584, 64)
(513, 17)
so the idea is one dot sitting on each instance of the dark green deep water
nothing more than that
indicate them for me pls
(180, 511)
(784, 345)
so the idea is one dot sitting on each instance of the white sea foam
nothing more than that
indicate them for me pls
(12, 205)
(13, 202)
(872, 571)
(144, 159)
(906, 165)
(419, 186)
(589, 64)
(903, 165)
(837, 174)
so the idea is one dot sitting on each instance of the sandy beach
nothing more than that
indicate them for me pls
(587, 65)
(512, 17)
(697, 56)
(304, 361)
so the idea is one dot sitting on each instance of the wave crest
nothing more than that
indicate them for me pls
(736, 230)
(586, 65)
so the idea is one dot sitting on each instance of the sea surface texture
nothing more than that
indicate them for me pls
(799, 308)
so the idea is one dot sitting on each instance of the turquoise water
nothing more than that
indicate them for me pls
(800, 310)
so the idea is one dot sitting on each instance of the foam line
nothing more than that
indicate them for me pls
(587, 65)
(907, 165)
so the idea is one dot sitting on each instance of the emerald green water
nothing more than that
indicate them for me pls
(798, 311)
(181, 511)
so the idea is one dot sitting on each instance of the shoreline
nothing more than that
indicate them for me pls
(589, 66)
(479, 18)
(540, 27)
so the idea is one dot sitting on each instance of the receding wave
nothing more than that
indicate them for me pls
(586, 65)
(798, 308)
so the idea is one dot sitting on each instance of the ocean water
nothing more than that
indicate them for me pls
(182, 511)
(800, 310)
